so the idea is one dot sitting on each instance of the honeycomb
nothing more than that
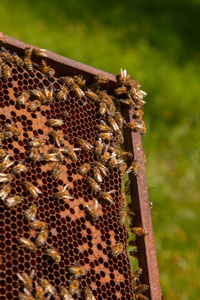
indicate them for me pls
(72, 232)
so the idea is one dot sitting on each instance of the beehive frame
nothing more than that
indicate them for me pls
(146, 254)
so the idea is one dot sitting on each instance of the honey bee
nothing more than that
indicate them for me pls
(42, 237)
(54, 123)
(119, 120)
(64, 293)
(138, 126)
(33, 154)
(49, 157)
(3, 153)
(139, 296)
(139, 231)
(22, 99)
(5, 191)
(113, 123)
(118, 249)
(53, 254)
(57, 138)
(6, 163)
(19, 168)
(28, 244)
(39, 292)
(101, 167)
(34, 105)
(111, 109)
(50, 72)
(141, 288)
(120, 90)
(77, 270)
(128, 187)
(56, 171)
(106, 196)
(17, 60)
(88, 294)
(58, 152)
(104, 127)
(125, 216)
(97, 174)
(98, 147)
(6, 177)
(138, 95)
(136, 274)
(120, 138)
(128, 102)
(91, 95)
(26, 295)
(71, 152)
(62, 93)
(37, 142)
(28, 64)
(13, 201)
(105, 136)
(43, 66)
(68, 81)
(39, 52)
(94, 186)
(93, 210)
(113, 149)
(138, 113)
(5, 135)
(64, 194)
(100, 79)
(102, 108)
(27, 279)
(123, 200)
(123, 167)
(113, 161)
(39, 94)
(28, 52)
(30, 213)
(105, 156)
(78, 90)
(127, 155)
(133, 168)
(32, 189)
(6, 72)
(79, 80)
(48, 287)
(48, 93)
(38, 225)
(13, 128)
(74, 286)
(84, 169)
(85, 146)
(5, 55)
(123, 76)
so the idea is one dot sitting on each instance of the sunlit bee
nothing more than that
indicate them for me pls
(58, 152)
(65, 294)
(12, 127)
(19, 168)
(113, 149)
(105, 97)
(5, 191)
(85, 146)
(34, 105)
(133, 168)
(50, 72)
(104, 127)
(113, 123)
(98, 147)
(30, 213)
(120, 90)
(38, 225)
(49, 157)
(33, 154)
(90, 94)
(102, 108)
(141, 288)
(128, 102)
(99, 79)
(123, 201)
(78, 91)
(28, 52)
(94, 185)
(74, 286)
(54, 122)
(6, 163)
(93, 210)
(139, 231)
(139, 296)
(111, 109)
(43, 66)
(120, 138)
(4, 135)
(17, 60)
(118, 249)
(138, 113)
(113, 161)
(39, 94)
(42, 237)
(13, 201)
(37, 142)
(57, 138)
(71, 152)
(32, 189)
(88, 294)
(28, 64)
(97, 174)
(77, 270)
(123, 76)
(138, 95)
(105, 157)
(3, 153)
(101, 167)
(79, 80)
(39, 52)
(48, 93)
(5, 55)
(105, 136)
(27, 279)
(119, 120)
(28, 244)
(54, 254)
(62, 93)
(6, 72)
(106, 196)
(127, 155)
(48, 287)
(68, 81)
(64, 194)
(25, 296)
(136, 274)
(123, 167)
(138, 126)
(39, 292)
(84, 169)
(6, 177)
(56, 171)
(122, 216)
(22, 99)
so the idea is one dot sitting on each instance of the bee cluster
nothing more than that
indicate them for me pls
(63, 213)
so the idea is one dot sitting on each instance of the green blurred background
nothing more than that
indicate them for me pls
(158, 42)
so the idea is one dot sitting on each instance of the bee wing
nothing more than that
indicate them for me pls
(38, 191)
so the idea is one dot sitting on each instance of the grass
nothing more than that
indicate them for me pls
(158, 42)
